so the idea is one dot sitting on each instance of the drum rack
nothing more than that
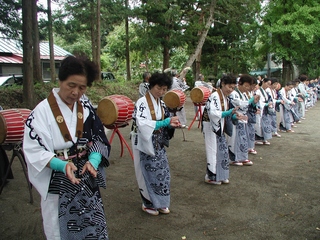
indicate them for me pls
(116, 130)
(199, 112)
(16, 149)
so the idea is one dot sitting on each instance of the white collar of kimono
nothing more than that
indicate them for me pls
(59, 100)
(157, 107)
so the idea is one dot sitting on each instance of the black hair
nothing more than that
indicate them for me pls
(78, 66)
(264, 80)
(245, 78)
(228, 79)
(274, 80)
(303, 78)
(161, 79)
(290, 83)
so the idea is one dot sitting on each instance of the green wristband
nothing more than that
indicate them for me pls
(58, 165)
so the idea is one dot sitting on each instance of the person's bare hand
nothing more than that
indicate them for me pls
(241, 116)
(258, 111)
(235, 109)
(88, 167)
(256, 98)
(70, 169)
(174, 122)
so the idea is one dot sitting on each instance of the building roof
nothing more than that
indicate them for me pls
(10, 46)
(58, 51)
(11, 59)
(262, 72)
(11, 49)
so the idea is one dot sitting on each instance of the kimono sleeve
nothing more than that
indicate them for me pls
(213, 107)
(145, 127)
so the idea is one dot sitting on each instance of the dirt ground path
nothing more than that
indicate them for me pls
(276, 198)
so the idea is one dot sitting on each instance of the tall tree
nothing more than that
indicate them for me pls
(28, 90)
(128, 67)
(37, 73)
(74, 29)
(162, 23)
(230, 44)
(95, 31)
(294, 25)
(51, 43)
(10, 21)
(202, 38)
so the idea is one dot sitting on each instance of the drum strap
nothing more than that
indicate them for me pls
(247, 95)
(61, 122)
(264, 95)
(221, 99)
(150, 104)
(240, 94)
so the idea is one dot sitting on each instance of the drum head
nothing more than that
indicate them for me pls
(3, 129)
(107, 111)
(196, 95)
(171, 99)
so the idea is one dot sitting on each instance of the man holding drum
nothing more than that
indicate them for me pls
(66, 151)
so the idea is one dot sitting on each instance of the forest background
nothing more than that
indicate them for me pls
(128, 37)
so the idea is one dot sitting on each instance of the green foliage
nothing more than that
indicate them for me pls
(236, 42)
(73, 23)
(10, 21)
(230, 45)
(294, 25)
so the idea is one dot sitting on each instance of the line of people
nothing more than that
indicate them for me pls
(243, 113)
(238, 114)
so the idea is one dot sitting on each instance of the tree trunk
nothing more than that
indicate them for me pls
(28, 89)
(37, 73)
(127, 45)
(52, 62)
(98, 36)
(287, 71)
(166, 55)
(92, 29)
(201, 39)
(197, 65)
(95, 33)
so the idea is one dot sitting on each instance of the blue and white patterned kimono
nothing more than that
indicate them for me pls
(263, 127)
(238, 142)
(286, 118)
(150, 157)
(215, 139)
(252, 119)
(70, 211)
(273, 117)
(302, 89)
